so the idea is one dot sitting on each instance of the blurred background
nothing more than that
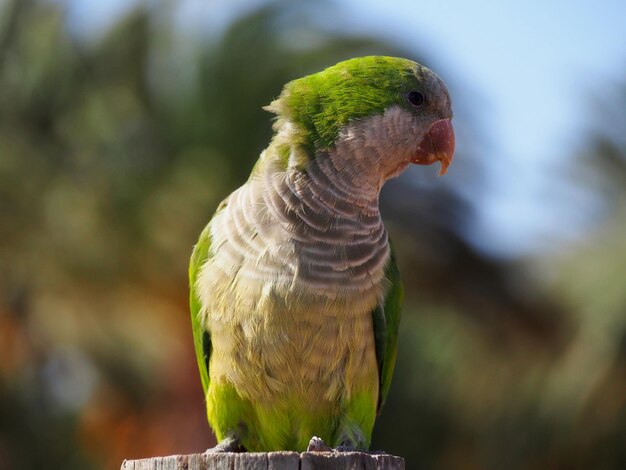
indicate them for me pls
(124, 123)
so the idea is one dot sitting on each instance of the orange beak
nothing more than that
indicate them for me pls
(437, 145)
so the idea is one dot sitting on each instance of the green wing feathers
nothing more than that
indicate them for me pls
(386, 321)
(201, 337)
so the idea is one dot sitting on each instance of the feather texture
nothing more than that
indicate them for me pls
(295, 294)
(286, 278)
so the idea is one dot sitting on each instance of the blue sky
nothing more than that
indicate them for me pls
(535, 66)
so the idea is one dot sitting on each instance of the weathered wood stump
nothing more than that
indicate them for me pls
(270, 461)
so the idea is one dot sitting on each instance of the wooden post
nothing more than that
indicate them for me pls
(270, 461)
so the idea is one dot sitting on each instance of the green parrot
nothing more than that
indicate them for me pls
(295, 294)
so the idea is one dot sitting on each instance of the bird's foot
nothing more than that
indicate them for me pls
(318, 445)
(230, 444)
(345, 447)
(350, 447)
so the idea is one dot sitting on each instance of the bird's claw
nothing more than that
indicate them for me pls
(230, 444)
(343, 447)
(318, 445)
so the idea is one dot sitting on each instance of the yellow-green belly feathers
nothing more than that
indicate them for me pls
(288, 380)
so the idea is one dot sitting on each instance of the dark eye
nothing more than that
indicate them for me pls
(415, 98)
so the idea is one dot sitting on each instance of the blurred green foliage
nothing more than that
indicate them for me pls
(113, 155)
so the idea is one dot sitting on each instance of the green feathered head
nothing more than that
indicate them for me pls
(320, 105)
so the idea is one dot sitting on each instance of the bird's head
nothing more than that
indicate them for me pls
(385, 112)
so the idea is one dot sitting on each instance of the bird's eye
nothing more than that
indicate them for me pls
(415, 98)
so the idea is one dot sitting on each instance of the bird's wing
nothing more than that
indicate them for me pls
(386, 321)
(201, 337)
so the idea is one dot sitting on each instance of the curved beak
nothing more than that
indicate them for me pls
(436, 145)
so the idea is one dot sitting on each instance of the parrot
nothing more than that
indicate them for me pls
(295, 293)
